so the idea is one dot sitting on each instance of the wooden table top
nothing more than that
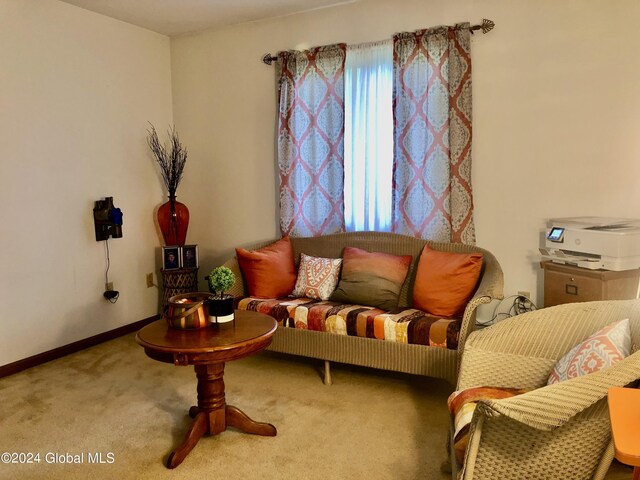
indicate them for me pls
(247, 329)
(624, 411)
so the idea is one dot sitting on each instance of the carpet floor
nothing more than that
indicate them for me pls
(111, 412)
(115, 401)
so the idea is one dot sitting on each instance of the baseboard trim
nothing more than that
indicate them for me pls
(40, 358)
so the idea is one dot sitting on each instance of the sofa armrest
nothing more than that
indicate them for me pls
(552, 406)
(492, 282)
(238, 289)
(490, 288)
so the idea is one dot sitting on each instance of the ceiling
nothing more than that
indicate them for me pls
(179, 17)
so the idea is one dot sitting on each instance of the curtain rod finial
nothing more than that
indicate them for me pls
(268, 59)
(487, 25)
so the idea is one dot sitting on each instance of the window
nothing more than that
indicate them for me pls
(378, 137)
(368, 137)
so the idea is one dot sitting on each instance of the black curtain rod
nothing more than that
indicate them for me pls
(486, 26)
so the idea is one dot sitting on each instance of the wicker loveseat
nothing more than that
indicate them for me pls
(409, 358)
(560, 431)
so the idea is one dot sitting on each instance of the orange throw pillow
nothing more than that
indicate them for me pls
(269, 272)
(445, 281)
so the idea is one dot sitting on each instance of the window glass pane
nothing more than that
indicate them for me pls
(368, 147)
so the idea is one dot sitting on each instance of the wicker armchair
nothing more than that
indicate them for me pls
(560, 431)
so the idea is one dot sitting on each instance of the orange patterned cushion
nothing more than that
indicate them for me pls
(408, 326)
(462, 404)
(602, 349)
(269, 272)
(317, 277)
(445, 281)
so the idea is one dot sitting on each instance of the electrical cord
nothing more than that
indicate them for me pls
(111, 295)
(520, 304)
(106, 273)
(523, 304)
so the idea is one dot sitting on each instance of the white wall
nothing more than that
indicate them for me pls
(556, 122)
(76, 92)
(556, 116)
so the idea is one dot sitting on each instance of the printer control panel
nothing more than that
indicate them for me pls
(556, 234)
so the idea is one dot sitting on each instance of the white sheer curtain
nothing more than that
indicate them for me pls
(368, 140)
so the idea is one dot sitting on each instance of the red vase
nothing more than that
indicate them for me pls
(173, 218)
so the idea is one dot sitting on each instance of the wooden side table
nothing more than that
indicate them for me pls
(207, 349)
(569, 284)
(178, 281)
(624, 412)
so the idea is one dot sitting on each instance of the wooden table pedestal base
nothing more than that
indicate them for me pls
(212, 415)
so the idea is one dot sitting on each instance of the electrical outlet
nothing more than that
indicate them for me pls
(109, 286)
(149, 280)
(525, 294)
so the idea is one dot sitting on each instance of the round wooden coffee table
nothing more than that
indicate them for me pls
(208, 349)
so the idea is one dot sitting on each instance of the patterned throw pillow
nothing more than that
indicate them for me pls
(602, 349)
(317, 277)
(371, 278)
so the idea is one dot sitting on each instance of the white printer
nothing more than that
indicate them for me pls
(593, 242)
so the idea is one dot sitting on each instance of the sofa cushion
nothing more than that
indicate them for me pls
(445, 281)
(371, 278)
(408, 326)
(463, 403)
(269, 272)
(317, 277)
(605, 347)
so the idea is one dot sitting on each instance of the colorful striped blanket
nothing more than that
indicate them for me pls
(462, 404)
(406, 326)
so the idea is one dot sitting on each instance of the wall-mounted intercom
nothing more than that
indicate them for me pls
(107, 219)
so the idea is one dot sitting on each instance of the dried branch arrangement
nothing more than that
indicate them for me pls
(171, 160)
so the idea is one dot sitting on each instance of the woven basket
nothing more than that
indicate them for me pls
(187, 311)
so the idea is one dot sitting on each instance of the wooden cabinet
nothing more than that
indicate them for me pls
(569, 284)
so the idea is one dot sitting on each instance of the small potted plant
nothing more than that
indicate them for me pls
(220, 306)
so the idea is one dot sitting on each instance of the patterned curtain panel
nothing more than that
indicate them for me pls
(432, 195)
(311, 141)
